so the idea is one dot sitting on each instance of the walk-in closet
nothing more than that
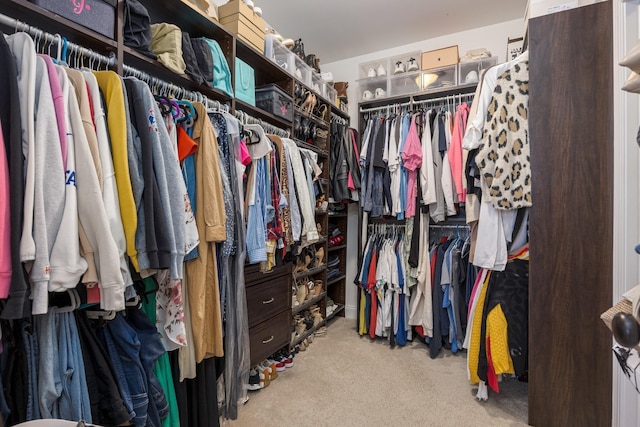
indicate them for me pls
(265, 213)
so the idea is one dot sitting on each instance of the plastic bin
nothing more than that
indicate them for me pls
(471, 72)
(273, 99)
(278, 53)
(97, 15)
(440, 77)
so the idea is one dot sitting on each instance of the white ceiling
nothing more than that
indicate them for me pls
(339, 29)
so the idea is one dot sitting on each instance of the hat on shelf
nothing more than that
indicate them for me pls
(475, 55)
(137, 27)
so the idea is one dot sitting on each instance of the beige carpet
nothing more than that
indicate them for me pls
(347, 380)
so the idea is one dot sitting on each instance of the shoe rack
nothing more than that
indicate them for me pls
(270, 327)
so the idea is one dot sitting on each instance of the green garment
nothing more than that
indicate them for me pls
(162, 369)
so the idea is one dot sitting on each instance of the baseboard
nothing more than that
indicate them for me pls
(350, 312)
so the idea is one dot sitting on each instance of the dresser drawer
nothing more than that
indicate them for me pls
(269, 336)
(253, 275)
(267, 299)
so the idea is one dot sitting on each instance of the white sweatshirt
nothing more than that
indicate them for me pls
(48, 187)
(109, 190)
(24, 53)
(93, 217)
(67, 266)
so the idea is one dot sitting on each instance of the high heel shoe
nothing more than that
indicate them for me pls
(317, 287)
(319, 258)
(308, 99)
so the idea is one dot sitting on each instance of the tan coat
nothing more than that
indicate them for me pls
(202, 273)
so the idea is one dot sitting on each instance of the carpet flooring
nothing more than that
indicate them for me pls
(347, 380)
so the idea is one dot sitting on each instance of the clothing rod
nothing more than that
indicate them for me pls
(461, 226)
(110, 61)
(268, 127)
(39, 34)
(422, 101)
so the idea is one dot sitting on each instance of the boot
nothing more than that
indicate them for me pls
(341, 88)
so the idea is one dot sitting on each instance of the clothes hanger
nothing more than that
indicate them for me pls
(74, 303)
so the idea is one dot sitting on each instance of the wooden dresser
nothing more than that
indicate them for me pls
(269, 310)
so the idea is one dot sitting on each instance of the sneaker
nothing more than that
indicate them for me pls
(399, 68)
(381, 71)
(255, 383)
(286, 359)
(413, 65)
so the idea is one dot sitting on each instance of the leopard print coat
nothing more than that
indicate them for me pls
(503, 156)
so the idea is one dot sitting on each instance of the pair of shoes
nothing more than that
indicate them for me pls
(318, 285)
(284, 360)
(317, 316)
(321, 332)
(256, 380)
(412, 65)
(336, 241)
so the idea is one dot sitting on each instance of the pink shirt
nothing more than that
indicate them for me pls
(58, 103)
(5, 225)
(412, 160)
(455, 150)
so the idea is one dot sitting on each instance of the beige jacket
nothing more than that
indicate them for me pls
(202, 273)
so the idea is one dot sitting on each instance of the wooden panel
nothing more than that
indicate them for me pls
(268, 337)
(253, 275)
(268, 299)
(571, 225)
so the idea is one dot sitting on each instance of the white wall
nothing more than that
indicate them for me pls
(492, 37)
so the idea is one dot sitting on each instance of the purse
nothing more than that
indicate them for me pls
(320, 138)
(245, 82)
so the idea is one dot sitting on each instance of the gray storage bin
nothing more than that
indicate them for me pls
(98, 15)
(273, 99)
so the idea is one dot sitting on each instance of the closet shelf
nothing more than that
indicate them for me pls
(36, 16)
(306, 334)
(337, 215)
(321, 211)
(336, 280)
(420, 96)
(154, 68)
(259, 113)
(306, 304)
(188, 17)
(315, 119)
(269, 71)
(310, 272)
(320, 152)
(336, 248)
(319, 97)
(335, 312)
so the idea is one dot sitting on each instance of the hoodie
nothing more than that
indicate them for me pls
(92, 212)
(17, 306)
(24, 54)
(171, 186)
(67, 266)
(49, 188)
(111, 87)
(110, 189)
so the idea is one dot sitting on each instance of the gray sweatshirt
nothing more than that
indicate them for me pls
(171, 185)
(48, 188)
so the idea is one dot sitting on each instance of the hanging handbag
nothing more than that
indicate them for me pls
(320, 138)
(245, 82)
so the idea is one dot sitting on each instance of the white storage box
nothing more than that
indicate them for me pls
(278, 53)
(316, 83)
(332, 95)
(405, 62)
(404, 83)
(437, 78)
(471, 72)
(302, 71)
(374, 69)
(370, 89)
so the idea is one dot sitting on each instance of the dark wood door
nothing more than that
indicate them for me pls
(571, 135)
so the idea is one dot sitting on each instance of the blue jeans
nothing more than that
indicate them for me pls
(74, 400)
(30, 340)
(153, 349)
(123, 344)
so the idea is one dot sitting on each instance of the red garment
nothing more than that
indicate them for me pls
(186, 145)
(455, 150)
(492, 378)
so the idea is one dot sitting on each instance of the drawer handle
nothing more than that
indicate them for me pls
(268, 340)
(269, 301)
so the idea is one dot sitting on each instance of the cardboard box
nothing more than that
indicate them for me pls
(440, 57)
(246, 33)
(234, 8)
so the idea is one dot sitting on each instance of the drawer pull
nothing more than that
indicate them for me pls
(268, 340)
(269, 301)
